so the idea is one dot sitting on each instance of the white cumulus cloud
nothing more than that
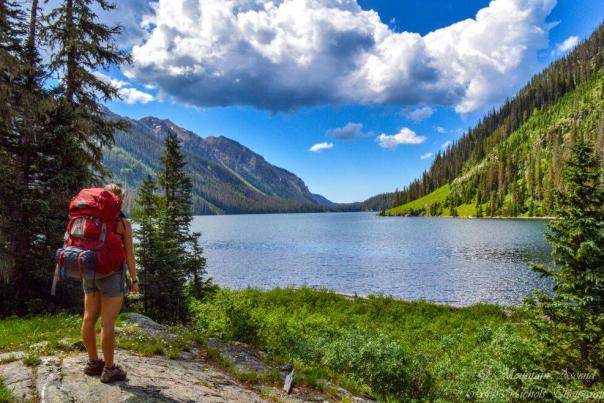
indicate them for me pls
(348, 132)
(446, 144)
(129, 15)
(127, 93)
(417, 114)
(113, 81)
(285, 54)
(565, 46)
(440, 129)
(134, 96)
(425, 156)
(317, 148)
(404, 136)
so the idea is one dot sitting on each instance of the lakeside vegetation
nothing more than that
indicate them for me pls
(377, 346)
(388, 348)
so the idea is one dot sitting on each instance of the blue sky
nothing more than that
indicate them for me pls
(279, 91)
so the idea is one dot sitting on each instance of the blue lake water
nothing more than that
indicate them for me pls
(446, 260)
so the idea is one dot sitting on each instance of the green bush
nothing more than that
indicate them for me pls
(380, 362)
(227, 316)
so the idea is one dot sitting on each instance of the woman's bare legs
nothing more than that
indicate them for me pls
(110, 309)
(92, 309)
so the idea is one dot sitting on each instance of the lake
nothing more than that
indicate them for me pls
(445, 260)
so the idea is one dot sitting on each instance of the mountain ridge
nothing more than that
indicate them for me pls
(228, 177)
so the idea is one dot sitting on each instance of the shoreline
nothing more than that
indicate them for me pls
(365, 297)
(470, 217)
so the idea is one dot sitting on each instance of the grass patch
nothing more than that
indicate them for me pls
(20, 333)
(132, 339)
(32, 360)
(466, 210)
(392, 349)
(439, 195)
(8, 359)
(57, 333)
(6, 395)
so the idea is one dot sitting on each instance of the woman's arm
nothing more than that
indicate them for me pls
(129, 247)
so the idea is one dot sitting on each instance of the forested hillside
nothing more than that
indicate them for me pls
(227, 177)
(510, 164)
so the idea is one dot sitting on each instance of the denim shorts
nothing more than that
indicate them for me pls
(114, 285)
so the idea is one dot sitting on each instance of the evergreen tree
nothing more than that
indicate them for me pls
(478, 204)
(571, 321)
(148, 248)
(170, 257)
(11, 31)
(177, 189)
(32, 204)
(160, 258)
(49, 147)
(492, 206)
(82, 45)
(196, 265)
(531, 211)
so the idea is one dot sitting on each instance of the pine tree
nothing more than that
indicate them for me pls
(513, 208)
(492, 206)
(160, 258)
(147, 252)
(478, 204)
(198, 287)
(83, 45)
(170, 257)
(11, 30)
(531, 211)
(177, 189)
(49, 148)
(32, 206)
(571, 321)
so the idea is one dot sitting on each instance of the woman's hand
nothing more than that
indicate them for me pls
(134, 286)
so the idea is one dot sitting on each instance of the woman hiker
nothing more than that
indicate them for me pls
(103, 297)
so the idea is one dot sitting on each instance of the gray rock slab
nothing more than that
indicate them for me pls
(18, 378)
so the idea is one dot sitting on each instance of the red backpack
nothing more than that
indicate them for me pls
(92, 247)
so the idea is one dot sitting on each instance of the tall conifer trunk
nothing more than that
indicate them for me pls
(70, 66)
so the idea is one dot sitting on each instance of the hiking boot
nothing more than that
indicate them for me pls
(113, 374)
(94, 368)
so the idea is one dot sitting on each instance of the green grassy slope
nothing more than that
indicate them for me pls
(524, 169)
(422, 204)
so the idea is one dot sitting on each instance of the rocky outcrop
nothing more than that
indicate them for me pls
(17, 376)
(193, 377)
(150, 379)
(241, 356)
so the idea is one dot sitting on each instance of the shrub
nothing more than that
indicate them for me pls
(380, 362)
(228, 316)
